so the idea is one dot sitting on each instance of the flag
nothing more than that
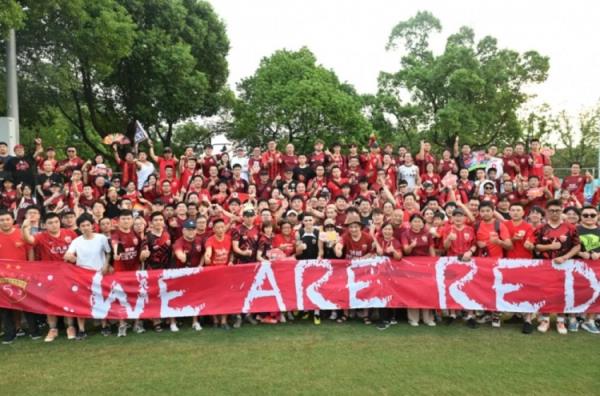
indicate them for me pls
(140, 133)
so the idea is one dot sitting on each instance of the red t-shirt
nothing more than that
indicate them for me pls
(483, 235)
(12, 245)
(286, 245)
(220, 250)
(386, 244)
(575, 185)
(49, 248)
(465, 239)
(128, 246)
(162, 165)
(526, 231)
(357, 249)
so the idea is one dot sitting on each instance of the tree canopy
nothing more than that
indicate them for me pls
(472, 89)
(291, 98)
(102, 64)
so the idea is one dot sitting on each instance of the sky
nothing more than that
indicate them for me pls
(350, 37)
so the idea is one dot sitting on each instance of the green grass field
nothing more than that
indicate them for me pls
(300, 358)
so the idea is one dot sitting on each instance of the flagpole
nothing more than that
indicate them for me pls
(12, 98)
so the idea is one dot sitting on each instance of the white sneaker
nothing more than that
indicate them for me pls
(561, 328)
(282, 318)
(333, 315)
(138, 328)
(122, 331)
(174, 327)
(196, 326)
(413, 323)
(543, 326)
(430, 324)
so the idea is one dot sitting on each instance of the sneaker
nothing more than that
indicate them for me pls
(573, 325)
(393, 321)
(81, 335)
(290, 316)
(597, 322)
(71, 333)
(282, 318)
(225, 326)
(317, 319)
(52, 334)
(238, 322)
(158, 328)
(430, 324)
(527, 328)
(484, 319)
(269, 320)
(561, 328)
(20, 333)
(105, 331)
(250, 319)
(413, 323)
(35, 336)
(138, 328)
(122, 331)
(382, 325)
(543, 326)
(305, 315)
(590, 327)
(8, 341)
(196, 326)
(472, 323)
(173, 327)
(333, 315)
(496, 322)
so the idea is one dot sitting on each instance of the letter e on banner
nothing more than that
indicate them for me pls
(355, 286)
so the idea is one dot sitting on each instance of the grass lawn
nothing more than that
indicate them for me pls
(300, 358)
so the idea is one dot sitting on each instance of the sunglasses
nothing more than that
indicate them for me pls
(589, 215)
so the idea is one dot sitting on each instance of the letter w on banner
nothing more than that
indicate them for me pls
(283, 285)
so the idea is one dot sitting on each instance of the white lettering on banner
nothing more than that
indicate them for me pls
(354, 287)
(101, 306)
(167, 295)
(502, 289)
(455, 288)
(265, 271)
(311, 291)
(570, 267)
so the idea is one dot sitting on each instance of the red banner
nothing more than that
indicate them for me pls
(418, 282)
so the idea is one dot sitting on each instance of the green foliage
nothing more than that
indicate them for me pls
(11, 16)
(291, 98)
(190, 135)
(472, 89)
(105, 63)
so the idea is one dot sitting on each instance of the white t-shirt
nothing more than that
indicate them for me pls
(145, 170)
(409, 173)
(243, 161)
(91, 253)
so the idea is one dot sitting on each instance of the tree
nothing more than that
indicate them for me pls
(11, 16)
(105, 63)
(472, 89)
(192, 135)
(290, 98)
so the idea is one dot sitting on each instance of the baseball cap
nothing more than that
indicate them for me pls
(189, 224)
(18, 146)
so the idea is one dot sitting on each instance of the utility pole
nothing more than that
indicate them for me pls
(12, 97)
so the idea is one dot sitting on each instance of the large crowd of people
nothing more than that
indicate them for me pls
(157, 210)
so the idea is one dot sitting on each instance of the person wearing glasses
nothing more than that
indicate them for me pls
(71, 163)
(589, 236)
(556, 240)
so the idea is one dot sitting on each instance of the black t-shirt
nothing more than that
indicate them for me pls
(22, 169)
(303, 174)
(589, 238)
(311, 239)
(45, 181)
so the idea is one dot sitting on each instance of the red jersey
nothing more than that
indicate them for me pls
(386, 244)
(128, 249)
(424, 241)
(160, 249)
(270, 161)
(12, 245)
(525, 232)
(537, 167)
(286, 245)
(128, 172)
(357, 249)
(247, 238)
(565, 233)
(220, 250)
(465, 239)
(316, 159)
(575, 185)
(193, 250)
(49, 248)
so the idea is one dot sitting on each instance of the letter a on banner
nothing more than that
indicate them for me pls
(265, 271)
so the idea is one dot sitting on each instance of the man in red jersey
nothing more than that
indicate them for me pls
(51, 245)
(126, 245)
(575, 183)
(556, 240)
(459, 239)
(13, 247)
(168, 159)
